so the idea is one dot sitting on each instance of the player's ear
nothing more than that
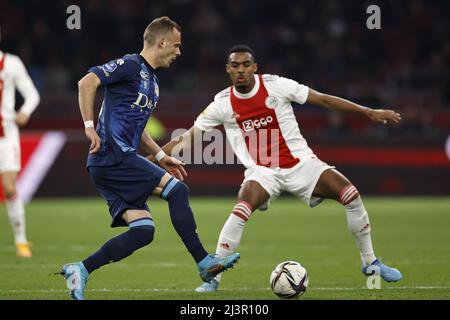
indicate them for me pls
(227, 68)
(161, 42)
(255, 67)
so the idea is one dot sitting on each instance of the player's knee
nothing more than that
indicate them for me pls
(144, 234)
(182, 188)
(143, 231)
(9, 191)
(149, 235)
(348, 194)
(175, 189)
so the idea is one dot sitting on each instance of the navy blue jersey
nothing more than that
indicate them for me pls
(131, 95)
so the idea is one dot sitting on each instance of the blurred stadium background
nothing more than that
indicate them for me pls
(323, 44)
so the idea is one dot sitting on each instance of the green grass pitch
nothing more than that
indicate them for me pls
(412, 234)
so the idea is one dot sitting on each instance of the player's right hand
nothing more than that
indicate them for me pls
(21, 119)
(95, 140)
(384, 115)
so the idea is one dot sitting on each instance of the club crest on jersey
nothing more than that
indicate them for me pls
(249, 125)
(271, 102)
(144, 75)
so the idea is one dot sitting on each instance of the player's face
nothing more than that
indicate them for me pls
(170, 50)
(241, 67)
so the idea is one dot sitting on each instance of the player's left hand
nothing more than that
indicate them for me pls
(174, 167)
(384, 115)
(21, 119)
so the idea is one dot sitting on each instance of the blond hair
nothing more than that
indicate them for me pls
(158, 27)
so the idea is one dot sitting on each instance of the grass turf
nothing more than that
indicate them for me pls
(410, 233)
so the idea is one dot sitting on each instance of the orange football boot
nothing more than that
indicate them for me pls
(23, 250)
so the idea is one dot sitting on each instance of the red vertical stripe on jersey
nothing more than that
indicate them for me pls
(2, 63)
(260, 123)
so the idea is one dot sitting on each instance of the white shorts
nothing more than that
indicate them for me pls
(10, 149)
(299, 180)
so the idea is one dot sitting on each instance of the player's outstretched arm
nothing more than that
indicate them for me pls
(87, 88)
(339, 104)
(183, 141)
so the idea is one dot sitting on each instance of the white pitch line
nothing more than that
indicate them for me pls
(170, 264)
(3, 291)
(386, 288)
(121, 266)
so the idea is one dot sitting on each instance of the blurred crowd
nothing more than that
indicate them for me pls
(324, 44)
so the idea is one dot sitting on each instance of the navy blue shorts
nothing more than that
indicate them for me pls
(126, 185)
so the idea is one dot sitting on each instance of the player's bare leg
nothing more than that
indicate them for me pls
(16, 214)
(333, 185)
(131, 215)
(250, 197)
(162, 184)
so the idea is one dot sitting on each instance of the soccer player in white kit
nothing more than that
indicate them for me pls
(261, 127)
(13, 75)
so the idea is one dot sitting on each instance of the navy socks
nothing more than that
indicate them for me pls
(177, 193)
(142, 230)
(139, 235)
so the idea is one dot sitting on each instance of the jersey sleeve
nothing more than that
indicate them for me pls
(290, 89)
(116, 71)
(25, 86)
(209, 118)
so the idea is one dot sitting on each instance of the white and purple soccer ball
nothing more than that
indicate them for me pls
(289, 280)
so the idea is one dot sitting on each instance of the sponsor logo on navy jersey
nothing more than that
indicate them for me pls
(145, 98)
(110, 66)
(143, 101)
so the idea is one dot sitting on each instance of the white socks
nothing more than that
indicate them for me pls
(359, 225)
(357, 219)
(230, 236)
(16, 213)
(232, 230)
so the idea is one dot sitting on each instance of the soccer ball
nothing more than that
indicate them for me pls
(289, 279)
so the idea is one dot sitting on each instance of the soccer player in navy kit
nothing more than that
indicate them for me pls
(124, 178)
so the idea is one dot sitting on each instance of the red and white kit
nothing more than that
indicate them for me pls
(13, 75)
(262, 129)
